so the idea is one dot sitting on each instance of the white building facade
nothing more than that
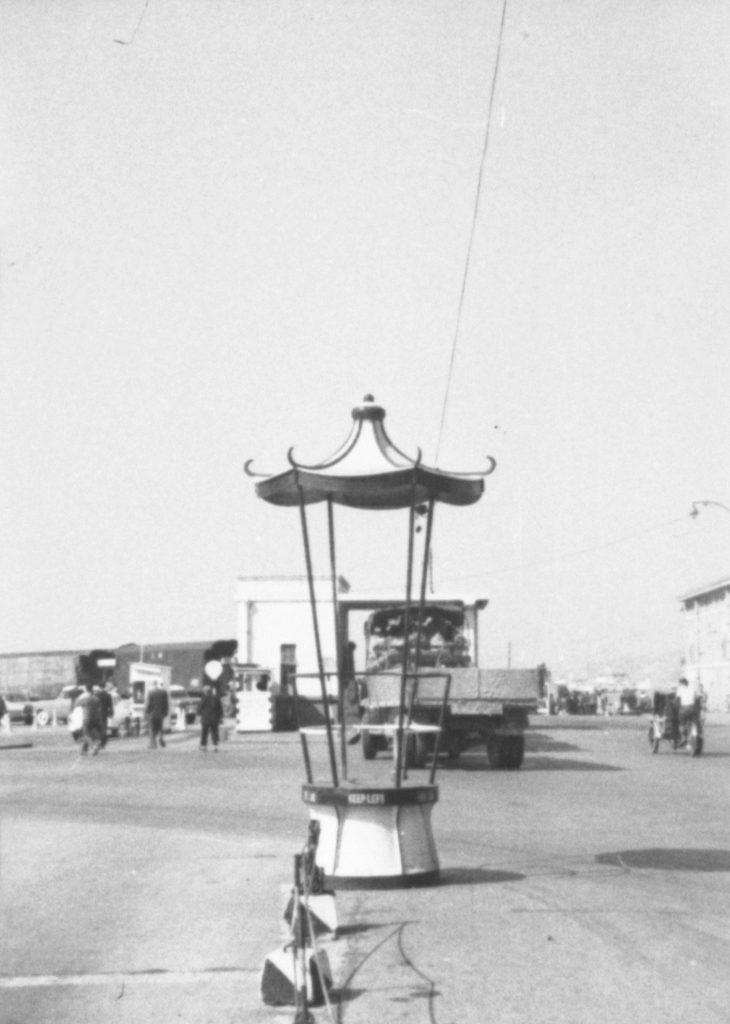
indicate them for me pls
(275, 626)
(706, 636)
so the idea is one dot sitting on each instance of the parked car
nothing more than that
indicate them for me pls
(64, 702)
(43, 707)
(121, 716)
(62, 705)
(20, 708)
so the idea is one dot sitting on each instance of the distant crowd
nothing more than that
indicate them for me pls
(93, 710)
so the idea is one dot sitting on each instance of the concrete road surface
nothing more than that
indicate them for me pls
(148, 885)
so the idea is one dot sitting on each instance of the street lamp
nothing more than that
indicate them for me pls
(695, 507)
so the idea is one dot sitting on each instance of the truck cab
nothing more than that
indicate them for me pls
(443, 638)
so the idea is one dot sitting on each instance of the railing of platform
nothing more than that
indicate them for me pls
(399, 730)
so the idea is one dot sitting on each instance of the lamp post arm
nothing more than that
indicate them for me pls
(695, 511)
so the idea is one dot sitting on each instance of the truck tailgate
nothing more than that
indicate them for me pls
(505, 684)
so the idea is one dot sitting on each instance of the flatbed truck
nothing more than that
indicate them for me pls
(484, 707)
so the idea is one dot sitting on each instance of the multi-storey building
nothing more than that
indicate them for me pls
(706, 634)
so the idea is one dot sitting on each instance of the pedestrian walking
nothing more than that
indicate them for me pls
(687, 708)
(90, 706)
(156, 711)
(211, 716)
(107, 710)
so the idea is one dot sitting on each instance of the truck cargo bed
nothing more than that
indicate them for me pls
(472, 690)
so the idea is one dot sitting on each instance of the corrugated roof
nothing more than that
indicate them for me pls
(37, 654)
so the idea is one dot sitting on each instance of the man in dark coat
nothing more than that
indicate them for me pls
(90, 705)
(211, 716)
(107, 710)
(156, 710)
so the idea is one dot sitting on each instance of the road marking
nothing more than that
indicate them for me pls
(117, 978)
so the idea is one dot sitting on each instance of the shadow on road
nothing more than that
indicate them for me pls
(540, 742)
(346, 995)
(356, 929)
(563, 764)
(531, 763)
(477, 876)
(576, 723)
(710, 755)
(669, 859)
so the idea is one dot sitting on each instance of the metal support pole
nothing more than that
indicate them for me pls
(406, 645)
(302, 736)
(425, 566)
(419, 623)
(439, 734)
(411, 695)
(302, 1014)
(317, 641)
(424, 579)
(338, 637)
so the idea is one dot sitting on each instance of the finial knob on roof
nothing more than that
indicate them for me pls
(369, 410)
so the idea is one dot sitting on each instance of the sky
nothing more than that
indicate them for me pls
(222, 224)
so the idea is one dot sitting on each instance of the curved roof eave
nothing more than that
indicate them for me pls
(389, 490)
(369, 472)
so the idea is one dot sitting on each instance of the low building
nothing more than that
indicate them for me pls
(185, 661)
(37, 673)
(44, 673)
(706, 636)
(275, 626)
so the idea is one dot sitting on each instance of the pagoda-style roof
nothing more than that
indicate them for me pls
(369, 472)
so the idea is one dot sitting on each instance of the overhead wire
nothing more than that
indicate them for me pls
(475, 216)
(567, 555)
(128, 42)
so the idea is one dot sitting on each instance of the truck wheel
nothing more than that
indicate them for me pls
(42, 717)
(506, 752)
(416, 751)
(369, 746)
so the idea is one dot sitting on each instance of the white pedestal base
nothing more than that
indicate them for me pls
(375, 836)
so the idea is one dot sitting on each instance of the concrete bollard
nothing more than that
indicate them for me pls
(280, 981)
(319, 914)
